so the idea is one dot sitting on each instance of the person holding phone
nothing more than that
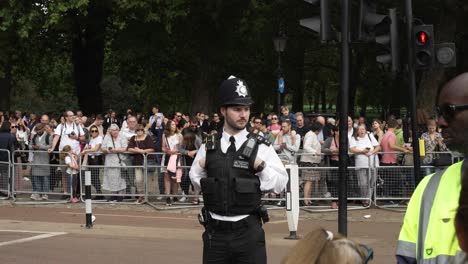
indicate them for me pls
(365, 147)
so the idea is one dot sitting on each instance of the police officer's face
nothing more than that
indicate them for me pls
(454, 124)
(236, 117)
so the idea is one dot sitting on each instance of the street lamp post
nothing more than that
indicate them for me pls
(279, 42)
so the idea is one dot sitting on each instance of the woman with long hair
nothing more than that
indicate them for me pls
(94, 158)
(190, 145)
(170, 146)
(377, 129)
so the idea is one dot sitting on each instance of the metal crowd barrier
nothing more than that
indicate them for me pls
(5, 173)
(324, 181)
(389, 186)
(39, 180)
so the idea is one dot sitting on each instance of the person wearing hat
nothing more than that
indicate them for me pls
(232, 174)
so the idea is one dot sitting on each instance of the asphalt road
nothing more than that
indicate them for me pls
(141, 234)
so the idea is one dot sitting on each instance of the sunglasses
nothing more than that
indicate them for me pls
(448, 111)
(370, 253)
(275, 118)
(258, 122)
(93, 131)
(139, 129)
(13, 126)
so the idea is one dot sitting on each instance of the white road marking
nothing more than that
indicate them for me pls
(139, 216)
(164, 217)
(23, 240)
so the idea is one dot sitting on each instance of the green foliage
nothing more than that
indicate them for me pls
(171, 52)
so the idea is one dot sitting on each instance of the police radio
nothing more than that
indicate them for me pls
(210, 142)
(249, 147)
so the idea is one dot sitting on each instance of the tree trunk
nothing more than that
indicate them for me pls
(203, 93)
(88, 57)
(6, 43)
(323, 98)
(296, 82)
(5, 87)
(354, 79)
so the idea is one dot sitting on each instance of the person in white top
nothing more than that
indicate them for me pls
(130, 129)
(311, 158)
(287, 142)
(128, 132)
(171, 141)
(232, 180)
(69, 133)
(93, 157)
(365, 147)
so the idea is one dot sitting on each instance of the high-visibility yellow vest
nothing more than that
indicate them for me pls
(428, 231)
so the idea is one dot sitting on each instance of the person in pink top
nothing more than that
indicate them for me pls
(389, 144)
(275, 127)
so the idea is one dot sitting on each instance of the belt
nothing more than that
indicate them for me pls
(229, 226)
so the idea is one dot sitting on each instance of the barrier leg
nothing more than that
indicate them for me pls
(89, 213)
(292, 202)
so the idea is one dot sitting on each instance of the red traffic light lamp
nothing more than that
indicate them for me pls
(422, 37)
(423, 46)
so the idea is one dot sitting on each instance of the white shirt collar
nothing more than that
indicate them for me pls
(240, 137)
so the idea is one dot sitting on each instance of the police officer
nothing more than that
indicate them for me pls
(232, 170)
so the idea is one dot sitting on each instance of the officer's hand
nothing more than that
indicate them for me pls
(202, 163)
(257, 163)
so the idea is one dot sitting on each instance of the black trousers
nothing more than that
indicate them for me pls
(243, 242)
(95, 180)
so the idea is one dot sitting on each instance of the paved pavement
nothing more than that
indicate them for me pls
(141, 234)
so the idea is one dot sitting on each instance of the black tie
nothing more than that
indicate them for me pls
(232, 147)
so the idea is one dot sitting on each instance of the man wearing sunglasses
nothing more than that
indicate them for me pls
(428, 231)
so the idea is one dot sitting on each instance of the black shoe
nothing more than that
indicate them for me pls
(168, 201)
(175, 199)
(99, 197)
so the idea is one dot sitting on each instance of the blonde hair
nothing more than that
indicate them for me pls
(318, 247)
(65, 151)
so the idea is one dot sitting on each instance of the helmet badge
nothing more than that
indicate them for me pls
(241, 89)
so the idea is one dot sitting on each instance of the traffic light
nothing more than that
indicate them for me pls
(320, 24)
(369, 21)
(423, 46)
(383, 29)
(445, 55)
(390, 42)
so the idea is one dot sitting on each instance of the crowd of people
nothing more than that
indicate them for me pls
(113, 141)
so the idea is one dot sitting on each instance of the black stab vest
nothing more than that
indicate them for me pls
(231, 186)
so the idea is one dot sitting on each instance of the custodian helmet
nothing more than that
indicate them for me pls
(234, 91)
